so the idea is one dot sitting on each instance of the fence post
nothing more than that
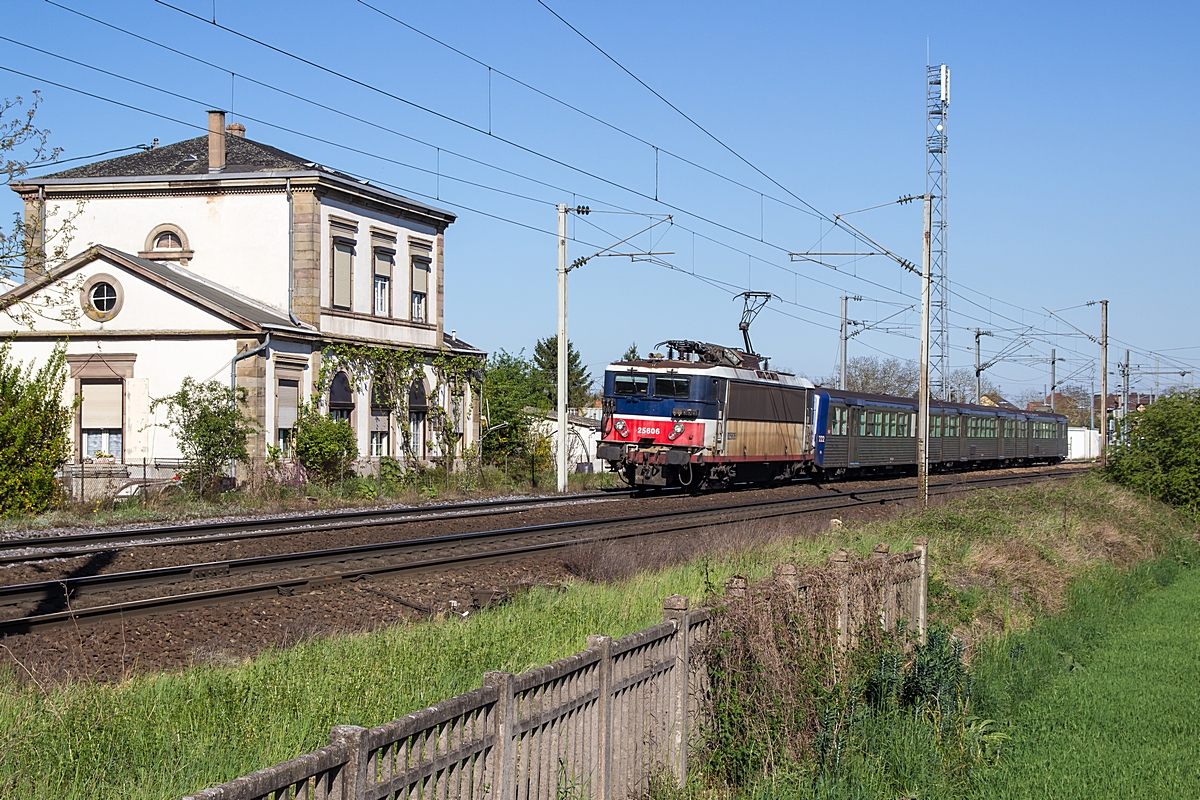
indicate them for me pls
(841, 567)
(504, 779)
(604, 716)
(887, 589)
(675, 609)
(353, 777)
(735, 587)
(921, 545)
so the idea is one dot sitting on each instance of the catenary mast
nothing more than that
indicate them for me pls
(937, 104)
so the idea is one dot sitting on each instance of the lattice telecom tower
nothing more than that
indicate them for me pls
(937, 105)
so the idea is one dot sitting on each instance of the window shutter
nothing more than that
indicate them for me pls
(102, 405)
(287, 403)
(379, 420)
(342, 257)
(383, 263)
(420, 276)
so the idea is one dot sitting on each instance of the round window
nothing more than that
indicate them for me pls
(103, 297)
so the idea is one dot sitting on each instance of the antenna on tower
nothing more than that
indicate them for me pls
(937, 105)
(753, 302)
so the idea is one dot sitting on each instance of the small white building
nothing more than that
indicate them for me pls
(1083, 444)
(225, 259)
(583, 436)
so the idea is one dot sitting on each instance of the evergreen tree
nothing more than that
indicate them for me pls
(579, 380)
(631, 353)
(510, 385)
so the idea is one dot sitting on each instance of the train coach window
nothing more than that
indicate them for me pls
(952, 425)
(676, 387)
(838, 421)
(629, 383)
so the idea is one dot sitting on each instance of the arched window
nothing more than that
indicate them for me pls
(341, 398)
(418, 407)
(381, 420)
(168, 240)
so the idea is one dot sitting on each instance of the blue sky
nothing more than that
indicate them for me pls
(1073, 159)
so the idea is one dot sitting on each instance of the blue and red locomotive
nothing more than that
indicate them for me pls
(709, 415)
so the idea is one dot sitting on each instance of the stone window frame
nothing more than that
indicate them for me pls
(183, 256)
(85, 297)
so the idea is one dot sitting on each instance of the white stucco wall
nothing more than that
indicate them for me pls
(240, 240)
(158, 371)
(145, 307)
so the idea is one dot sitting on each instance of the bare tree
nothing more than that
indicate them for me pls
(40, 239)
(877, 375)
(962, 385)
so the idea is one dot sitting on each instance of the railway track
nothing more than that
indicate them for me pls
(33, 548)
(56, 602)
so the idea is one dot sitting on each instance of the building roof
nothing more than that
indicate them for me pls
(190, 157)
(218, 299)
(244, 158)
(577, 420)
(457, 345)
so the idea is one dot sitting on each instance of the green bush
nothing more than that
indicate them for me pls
(208, 421)
(324, 447)
(34, 427)
(1162, 457)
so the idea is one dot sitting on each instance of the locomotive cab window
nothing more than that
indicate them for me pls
(629, 383)
(677, 387)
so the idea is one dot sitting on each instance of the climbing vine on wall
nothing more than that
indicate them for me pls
(391, 372)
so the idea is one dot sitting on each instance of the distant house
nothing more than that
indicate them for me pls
(226, 259)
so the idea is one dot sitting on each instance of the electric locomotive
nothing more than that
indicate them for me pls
(707, 415)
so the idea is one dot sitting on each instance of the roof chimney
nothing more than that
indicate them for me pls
(216, 141)
(236, 129)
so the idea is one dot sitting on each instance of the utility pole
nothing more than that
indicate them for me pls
(842, 348)
(1092, 416)
(1124, 395)
(562, 347)
(979, 369)
(563, 269)
(923, 401)
(844, 344)
(1053, 380)
(1154, 396)
(1104, 383)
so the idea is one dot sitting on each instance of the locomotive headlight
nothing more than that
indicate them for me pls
(621, 427)
(675, 432)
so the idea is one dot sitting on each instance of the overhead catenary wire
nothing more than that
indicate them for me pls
(535, 199)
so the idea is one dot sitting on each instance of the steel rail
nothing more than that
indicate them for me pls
(578, 532)
(205, 532)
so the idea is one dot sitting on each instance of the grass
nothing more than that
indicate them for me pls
(1001, 559)
(1118, 718)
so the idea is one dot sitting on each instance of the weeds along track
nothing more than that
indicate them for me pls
(97, 597)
